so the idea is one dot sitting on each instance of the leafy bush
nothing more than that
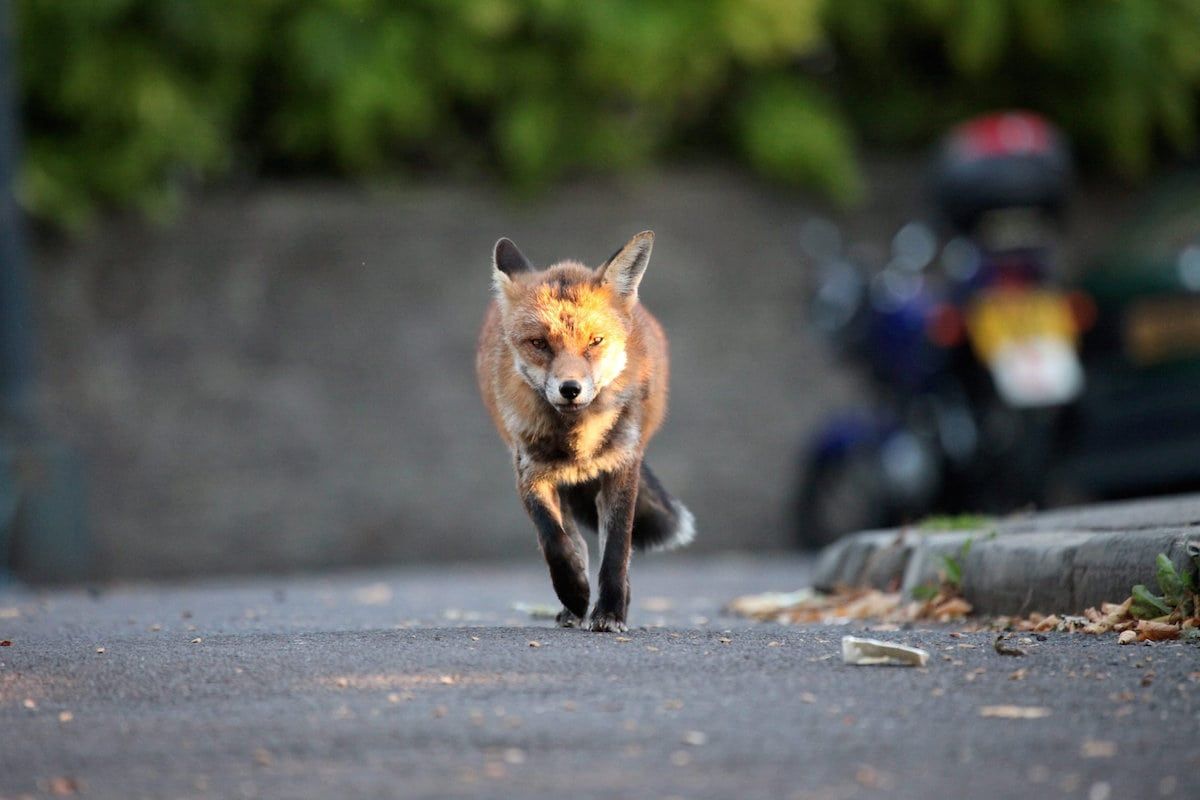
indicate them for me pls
(127, 102)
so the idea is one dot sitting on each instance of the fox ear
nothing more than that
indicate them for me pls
(624, 270)
(508, 260)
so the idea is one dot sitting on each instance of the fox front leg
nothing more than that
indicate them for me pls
(615, 505)
(564, 549)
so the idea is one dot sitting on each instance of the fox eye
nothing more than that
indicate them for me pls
(539, 344)
(596, 341)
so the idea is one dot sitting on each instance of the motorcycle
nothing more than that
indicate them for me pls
(970, 348)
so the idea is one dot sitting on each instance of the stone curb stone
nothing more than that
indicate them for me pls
(1057, 562)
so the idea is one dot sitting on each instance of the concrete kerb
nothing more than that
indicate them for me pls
(1056, 562)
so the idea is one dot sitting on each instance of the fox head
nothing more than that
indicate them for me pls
(567, 326)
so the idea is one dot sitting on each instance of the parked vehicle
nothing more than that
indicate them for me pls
(1136, 429)
(971, 347)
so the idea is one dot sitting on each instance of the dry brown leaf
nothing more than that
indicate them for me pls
(1098, 748)
(1127, 637)
(953, 608)
(62, 785)
(1047, 624)
(1156, 631)
(1014, 712)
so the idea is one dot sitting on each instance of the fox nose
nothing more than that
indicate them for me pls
(570, 389)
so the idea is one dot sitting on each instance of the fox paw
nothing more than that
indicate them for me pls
(568, 619)
(607, 622)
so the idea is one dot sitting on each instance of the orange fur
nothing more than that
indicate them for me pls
(566, 305)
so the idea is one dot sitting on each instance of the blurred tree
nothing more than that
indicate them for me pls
(128, 102)
(1121, 77)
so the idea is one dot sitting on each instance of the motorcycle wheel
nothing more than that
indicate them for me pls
(839, 496)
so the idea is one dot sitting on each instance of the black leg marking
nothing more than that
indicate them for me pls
(565, 551)
(615, 503)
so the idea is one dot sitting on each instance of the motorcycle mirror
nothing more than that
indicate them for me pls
(914, 247)
(820, 239)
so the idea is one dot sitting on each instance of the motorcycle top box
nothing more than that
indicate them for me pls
(1011, 160)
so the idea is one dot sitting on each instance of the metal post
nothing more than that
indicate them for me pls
(43, 535)
(16, 346)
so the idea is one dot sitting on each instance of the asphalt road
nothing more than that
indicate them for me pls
(426, 684)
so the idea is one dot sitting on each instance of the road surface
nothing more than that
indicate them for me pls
(426, 683)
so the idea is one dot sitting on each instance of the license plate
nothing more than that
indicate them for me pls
(1162, 329)
(1003, 318)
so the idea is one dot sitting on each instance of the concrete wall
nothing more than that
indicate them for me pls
(283, 378)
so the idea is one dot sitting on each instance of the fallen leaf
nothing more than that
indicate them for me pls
(724, 640)
(197, 640)
(1098, 748)
(62, 786)
(1148, 630)
(1127, 637)
(870, 778)
(29, 703)
(1014, 712)
(446, 680)
(622, 639)
(536, 610)
(1006, 650)
(100, 650)
(1018, 675)
(535, 644)
(657, 604)
(65, 716)
(5, 643)
(376, 594)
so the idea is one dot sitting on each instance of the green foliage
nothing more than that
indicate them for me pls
(1147, 605)
(1121, 77)
(956, 522)
(128, 102)
(1178, 592)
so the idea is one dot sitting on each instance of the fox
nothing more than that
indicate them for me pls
(573, 371)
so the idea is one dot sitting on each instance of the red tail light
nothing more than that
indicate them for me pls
(945, 326)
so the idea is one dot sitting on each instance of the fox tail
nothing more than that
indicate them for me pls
(660, 522)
